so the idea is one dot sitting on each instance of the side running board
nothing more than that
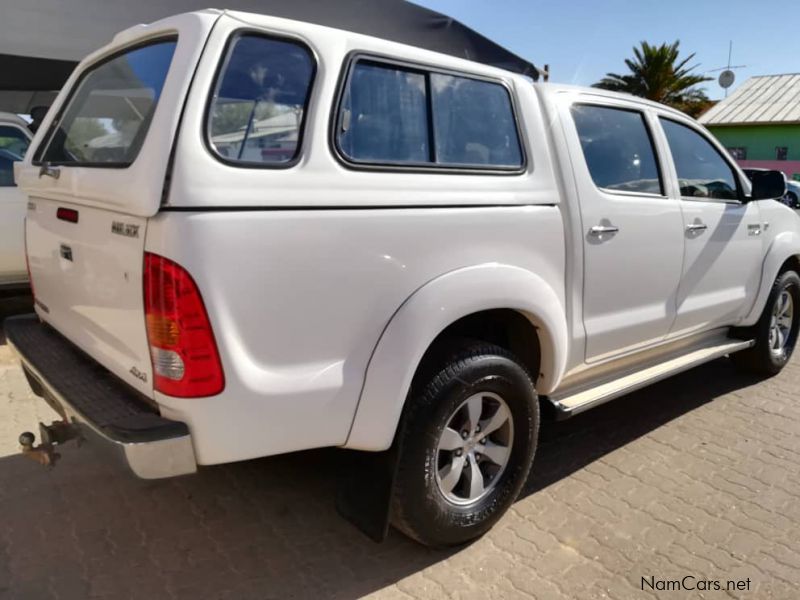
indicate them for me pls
(575, 402)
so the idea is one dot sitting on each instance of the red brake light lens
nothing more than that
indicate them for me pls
(185, 358)
(67, 214)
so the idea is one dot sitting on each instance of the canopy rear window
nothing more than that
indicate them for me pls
(106, 118)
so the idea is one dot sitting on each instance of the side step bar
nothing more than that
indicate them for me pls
(573, 403)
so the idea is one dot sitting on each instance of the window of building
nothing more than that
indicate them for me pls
(259, 104)
(400, 115)
(618, 149)
(702, 171)
(738, 152)
(781, 153)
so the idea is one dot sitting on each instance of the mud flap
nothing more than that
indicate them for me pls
(365, 493)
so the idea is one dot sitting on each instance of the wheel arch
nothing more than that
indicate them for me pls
(783, 253)
(450, 304)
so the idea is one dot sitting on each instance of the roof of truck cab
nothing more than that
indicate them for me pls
(563, 88)
(7, 117)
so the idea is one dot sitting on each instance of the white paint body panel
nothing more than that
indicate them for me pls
(324, 285)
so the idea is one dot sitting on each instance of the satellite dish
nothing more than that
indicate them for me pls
(726, 79)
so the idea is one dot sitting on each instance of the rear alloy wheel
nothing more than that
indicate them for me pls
(474, 448)
(775, 333)
(466, 443)
(780, 325)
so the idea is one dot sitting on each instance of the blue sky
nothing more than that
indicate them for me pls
(583, 40)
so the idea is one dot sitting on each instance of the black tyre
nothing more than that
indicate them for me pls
(776, 331)
(793, 200)
(467, 440)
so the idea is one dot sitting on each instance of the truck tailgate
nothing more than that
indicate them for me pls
(88, 283)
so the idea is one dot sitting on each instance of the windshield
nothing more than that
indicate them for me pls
(107, 116)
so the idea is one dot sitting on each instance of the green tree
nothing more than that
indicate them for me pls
(659, 73)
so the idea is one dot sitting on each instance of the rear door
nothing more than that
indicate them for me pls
(632, 230)
(14, 142)
(724, 251)
(94, 177)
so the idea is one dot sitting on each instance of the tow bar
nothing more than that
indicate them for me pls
(52, 436)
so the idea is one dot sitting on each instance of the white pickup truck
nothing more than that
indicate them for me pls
(250, 235)
(14, 140)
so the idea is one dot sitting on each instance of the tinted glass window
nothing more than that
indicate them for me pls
(384, 115)
(13, 141)
(473, 123)
(702, 172)
(401, 115)
(6, 169)
(109, 113)
(259, 105)
(618, 149)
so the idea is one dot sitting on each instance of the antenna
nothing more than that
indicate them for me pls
(727, 76)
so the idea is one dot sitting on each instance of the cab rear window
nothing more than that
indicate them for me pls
(106, 118)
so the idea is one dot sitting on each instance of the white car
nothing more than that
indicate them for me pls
(418, 253)
(793, 193)
(14, 140)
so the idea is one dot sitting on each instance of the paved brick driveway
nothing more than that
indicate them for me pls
(698, 476)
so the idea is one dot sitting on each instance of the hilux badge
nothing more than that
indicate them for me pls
(126, 229)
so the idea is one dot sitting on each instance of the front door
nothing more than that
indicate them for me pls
(632, 230)
(722, 266)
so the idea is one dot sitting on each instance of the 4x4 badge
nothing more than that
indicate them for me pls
(138, 374)
(126, 229)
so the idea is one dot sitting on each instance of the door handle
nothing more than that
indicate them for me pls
(696, 227)
(601, 229)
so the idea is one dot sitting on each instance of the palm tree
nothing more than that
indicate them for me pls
(657, 73)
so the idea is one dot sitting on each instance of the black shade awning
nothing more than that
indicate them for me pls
(398, 21)
(33, 74)
(40, 44)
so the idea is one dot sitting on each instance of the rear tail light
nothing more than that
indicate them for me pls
(185, 358)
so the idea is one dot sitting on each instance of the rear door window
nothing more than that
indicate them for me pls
(260, 101)
(618, 149)
(107, 116)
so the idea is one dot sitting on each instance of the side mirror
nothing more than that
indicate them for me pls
(768, 185)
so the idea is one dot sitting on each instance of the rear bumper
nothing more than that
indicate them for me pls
(86, 394)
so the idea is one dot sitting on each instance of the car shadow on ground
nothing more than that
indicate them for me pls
(261, 529)
(13, 304)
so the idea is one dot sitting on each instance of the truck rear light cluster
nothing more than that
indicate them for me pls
(185, 358)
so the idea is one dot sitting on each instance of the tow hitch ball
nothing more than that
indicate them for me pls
(52, 435)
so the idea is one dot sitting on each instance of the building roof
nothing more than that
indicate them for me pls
(766, 99)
